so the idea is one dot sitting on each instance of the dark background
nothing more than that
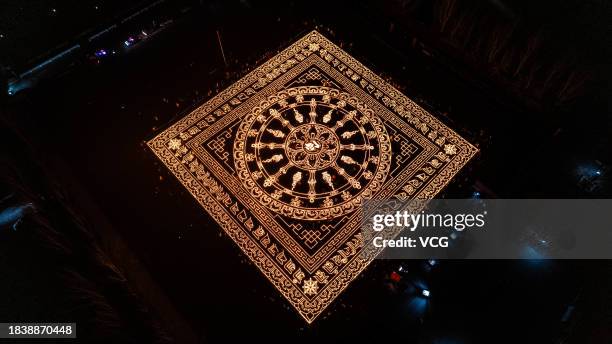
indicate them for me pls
(139, 261)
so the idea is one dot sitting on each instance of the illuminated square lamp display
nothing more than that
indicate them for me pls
(284, 158)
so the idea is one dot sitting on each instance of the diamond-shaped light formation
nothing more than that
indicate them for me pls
(284, 158)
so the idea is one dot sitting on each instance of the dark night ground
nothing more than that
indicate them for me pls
(94, 120)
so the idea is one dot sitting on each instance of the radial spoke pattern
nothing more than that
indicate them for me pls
(325, 159)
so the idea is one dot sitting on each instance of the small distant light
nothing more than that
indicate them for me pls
(126, 43)
(144, 33)
(453, 235)
(598, 173)
(425, 293)
(432, 262)
(53, 10)
(568, 313)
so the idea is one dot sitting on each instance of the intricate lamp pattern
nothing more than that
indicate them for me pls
(284, 158)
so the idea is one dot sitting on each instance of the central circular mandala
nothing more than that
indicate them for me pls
(312, 146)
(312, 152)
